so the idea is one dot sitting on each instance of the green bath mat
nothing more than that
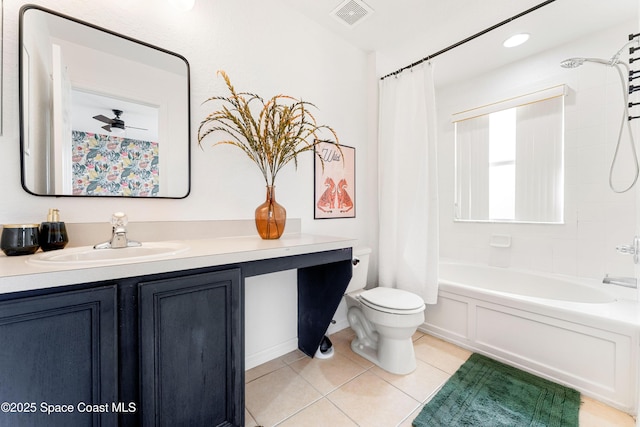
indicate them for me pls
(484, 392)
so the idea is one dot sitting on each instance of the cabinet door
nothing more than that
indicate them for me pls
(58, 355)
(191, 350)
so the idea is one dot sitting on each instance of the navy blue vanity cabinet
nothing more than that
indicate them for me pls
(191, 350)
(165, 349)
(58, 358)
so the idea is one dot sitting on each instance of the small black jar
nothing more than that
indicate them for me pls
(19, 239)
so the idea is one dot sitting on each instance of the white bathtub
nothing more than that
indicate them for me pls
(523, 284)
(573, 332)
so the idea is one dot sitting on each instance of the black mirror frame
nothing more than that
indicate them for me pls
(22, 12)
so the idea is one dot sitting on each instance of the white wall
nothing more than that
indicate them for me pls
(39, 69)
(596, 219)
(265, 48)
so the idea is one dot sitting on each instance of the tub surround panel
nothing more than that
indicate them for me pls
(557, 346)
(590, 346)
(450, 316)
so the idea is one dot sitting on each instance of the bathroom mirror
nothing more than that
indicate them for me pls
(101, 114)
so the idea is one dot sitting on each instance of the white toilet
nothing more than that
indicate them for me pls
(384, 320)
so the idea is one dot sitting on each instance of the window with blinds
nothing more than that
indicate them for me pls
(509, 160)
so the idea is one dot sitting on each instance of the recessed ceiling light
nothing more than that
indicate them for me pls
(516, 40)
(183, 4)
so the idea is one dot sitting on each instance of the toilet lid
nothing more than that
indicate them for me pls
(391, 298)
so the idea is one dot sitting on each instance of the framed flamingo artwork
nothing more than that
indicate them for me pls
(335, 183)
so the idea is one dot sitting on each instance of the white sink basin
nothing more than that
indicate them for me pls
(86, 255)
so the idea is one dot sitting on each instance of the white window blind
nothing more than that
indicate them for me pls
(509, 159)
(516, 101)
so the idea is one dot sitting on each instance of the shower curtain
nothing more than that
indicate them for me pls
(408, 183)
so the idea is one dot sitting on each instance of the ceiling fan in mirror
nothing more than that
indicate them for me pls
(115, 125)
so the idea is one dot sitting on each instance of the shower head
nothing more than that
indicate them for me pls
(572, 63)
(576, 62)
(615, 59)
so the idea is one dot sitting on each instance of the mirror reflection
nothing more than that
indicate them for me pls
(101, 114)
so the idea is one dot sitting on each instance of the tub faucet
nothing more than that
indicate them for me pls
(632, 249)
(119, 234)
(627, 282)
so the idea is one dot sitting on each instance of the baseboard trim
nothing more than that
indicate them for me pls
(338, 326)
(264, 356)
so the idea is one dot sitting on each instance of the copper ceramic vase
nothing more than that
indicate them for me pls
(270, 216)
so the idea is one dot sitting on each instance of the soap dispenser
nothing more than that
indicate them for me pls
(53, 233)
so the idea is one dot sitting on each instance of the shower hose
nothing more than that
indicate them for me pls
(625, 119)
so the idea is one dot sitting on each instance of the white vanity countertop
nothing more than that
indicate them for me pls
(16, 274)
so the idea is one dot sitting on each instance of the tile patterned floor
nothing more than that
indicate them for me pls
(347, 390)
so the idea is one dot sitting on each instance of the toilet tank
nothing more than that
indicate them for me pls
(360, 268)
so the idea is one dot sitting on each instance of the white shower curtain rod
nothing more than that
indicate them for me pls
(468, 39)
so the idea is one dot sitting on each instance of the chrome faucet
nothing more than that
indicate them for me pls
(632, 249)
(119, 234)
(627, 282)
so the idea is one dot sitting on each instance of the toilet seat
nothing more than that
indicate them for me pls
(391, 300)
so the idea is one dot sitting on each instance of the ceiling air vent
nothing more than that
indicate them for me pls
(352, 12)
